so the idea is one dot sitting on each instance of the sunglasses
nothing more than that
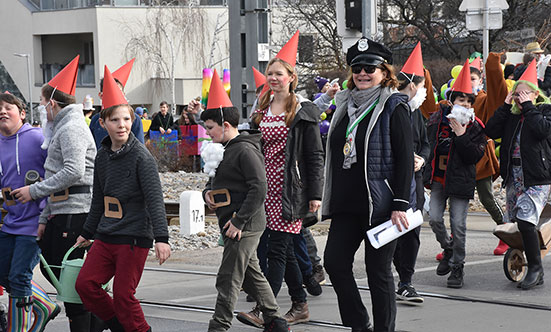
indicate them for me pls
(369, 69)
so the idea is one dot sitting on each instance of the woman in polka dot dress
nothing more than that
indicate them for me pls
(294, 170)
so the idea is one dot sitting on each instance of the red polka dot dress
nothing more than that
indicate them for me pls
(274, 133)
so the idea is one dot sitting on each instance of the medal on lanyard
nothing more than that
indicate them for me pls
(347, 149)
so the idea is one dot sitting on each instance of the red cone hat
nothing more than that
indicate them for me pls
(66, 79)
(530, 74)
(218, 97)
(112, 94)
(288, 52)
(414, 64)
(477, 63)
(463, 81)
(123, 72)
(259, 78)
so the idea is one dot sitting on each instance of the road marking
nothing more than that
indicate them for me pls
(193, 298)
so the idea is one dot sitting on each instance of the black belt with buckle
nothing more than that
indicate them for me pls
(64, 194)
(516, 161)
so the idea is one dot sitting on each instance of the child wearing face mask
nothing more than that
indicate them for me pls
(411, 82)
(455, 148)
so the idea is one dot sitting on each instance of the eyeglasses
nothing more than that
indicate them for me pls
(517, 94)
(369, 69)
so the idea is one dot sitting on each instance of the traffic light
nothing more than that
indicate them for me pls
(353, 14)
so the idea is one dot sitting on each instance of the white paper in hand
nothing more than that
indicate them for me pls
(386, 232)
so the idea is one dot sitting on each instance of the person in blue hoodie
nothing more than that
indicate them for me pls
(21, 158)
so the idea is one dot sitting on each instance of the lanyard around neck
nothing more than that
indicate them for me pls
(354, 124)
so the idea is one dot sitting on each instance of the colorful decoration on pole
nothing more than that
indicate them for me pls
(226, 81)
(207, 78)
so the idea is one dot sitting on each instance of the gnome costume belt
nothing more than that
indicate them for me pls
(114, 208)
(223, 197)
(63, 195)
(8, 198)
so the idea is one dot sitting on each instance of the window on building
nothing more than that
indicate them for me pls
(305, 48)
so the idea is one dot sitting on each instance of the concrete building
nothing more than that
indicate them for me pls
(53, 32)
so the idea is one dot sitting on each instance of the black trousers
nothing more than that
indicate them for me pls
(346, 233)
(60, 235)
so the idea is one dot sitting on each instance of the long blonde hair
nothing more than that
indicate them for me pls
(291, 102)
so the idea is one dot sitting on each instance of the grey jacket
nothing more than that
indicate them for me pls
(70, 162)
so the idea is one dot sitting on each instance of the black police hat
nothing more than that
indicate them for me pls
(368, 52)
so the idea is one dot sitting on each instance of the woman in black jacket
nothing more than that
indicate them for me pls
(524, 124)
(369, 180)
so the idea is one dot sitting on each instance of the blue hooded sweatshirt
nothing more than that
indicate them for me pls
(20, 153)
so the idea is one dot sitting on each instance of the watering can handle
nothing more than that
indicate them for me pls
(68, 253)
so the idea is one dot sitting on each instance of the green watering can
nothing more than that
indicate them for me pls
(65, 286)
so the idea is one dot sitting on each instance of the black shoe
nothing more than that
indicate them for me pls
(455, 280)
(409, 294)
(277, 325)
(367, 328)
(531, 243)
(444, 265)
(312, 286)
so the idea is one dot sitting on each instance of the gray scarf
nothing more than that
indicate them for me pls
(358, 102)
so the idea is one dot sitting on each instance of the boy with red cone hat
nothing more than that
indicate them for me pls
(523, 123)
(121, 77)
(126, 216)
(457, 143)
(241, 174)
(68, 178)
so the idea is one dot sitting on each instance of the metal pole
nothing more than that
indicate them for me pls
(486, 33)
(365, 16)
(30, 87)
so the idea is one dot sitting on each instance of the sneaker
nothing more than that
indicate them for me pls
(409, 294)
(298, 313)
(251, 318)
(501, 248)
(444, 265)
(319, 274)
(455, 280)
(312, 286)
(277, 325)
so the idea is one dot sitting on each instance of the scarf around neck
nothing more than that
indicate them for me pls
(358, 102)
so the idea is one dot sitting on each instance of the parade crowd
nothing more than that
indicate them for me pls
(359, 154)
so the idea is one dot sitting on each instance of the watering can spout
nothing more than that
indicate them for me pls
(53, 278)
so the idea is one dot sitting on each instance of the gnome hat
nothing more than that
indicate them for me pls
(112, 94)
(463, 80)
(414, 64)
(123, 72)
(530, 74)
(259, 78)
(66, 79)
(288, 52)
(218, 97)
(477, 63)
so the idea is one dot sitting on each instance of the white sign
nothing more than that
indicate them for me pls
(263, 52)
(474, 19)
(479, 4)
(192, 213)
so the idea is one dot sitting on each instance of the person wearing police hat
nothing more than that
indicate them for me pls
(368, 180)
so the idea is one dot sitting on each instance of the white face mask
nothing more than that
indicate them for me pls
(47, 126)
(461, 114)
(418, 99)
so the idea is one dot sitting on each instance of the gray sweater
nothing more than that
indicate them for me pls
(70, 162)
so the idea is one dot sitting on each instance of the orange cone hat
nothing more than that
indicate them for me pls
(477, 63)
(288, 52)
(463, 80)
(259, 78)
(530, 74)
(66, 79)
(218, 97)
(112, 94)
(414, 64)
(123, 72)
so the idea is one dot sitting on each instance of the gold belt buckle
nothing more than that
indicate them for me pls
(214, 196)
(110, 203)
(8, 198)
(58, 198)
(443, 162)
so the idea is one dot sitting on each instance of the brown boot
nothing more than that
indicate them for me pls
(252, 318)
(298, 313)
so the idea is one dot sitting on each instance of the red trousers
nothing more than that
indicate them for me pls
(126, 264)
